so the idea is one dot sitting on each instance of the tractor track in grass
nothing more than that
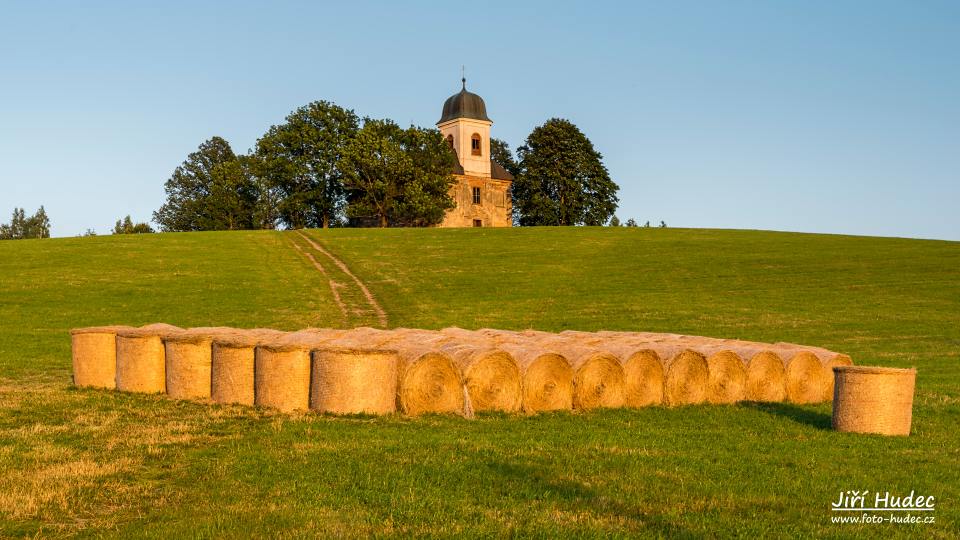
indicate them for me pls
(345, 299)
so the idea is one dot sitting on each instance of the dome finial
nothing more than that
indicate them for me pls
(463, 76)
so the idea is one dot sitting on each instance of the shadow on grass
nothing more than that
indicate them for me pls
(577, 498)
(790, 411)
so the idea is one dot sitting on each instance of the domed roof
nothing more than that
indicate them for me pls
(464, 104)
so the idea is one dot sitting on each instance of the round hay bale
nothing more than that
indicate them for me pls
(766, 377)
(282, 376)
(806, 377)
(141, 365)
(546, 379)
(837, 360)
(490, 375)
(188, 365)
(727, 381)
(231, 367)
(429, 382)
(351, 381)
(686, 376)
(94, 356)
(873, 399)
(598, 380)
(643, 379)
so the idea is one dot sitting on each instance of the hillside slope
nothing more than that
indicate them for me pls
(83, 461)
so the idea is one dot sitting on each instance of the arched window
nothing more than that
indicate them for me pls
(450, 140)
(475, 144)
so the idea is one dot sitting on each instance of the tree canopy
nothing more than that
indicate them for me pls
(300, 160)
(127, 226)
(22, 227)
(561, 179)
(396, 176)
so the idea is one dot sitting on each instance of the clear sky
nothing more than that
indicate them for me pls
(839, 117)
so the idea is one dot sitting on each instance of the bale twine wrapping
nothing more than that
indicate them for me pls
(490, 375)
(352, 381)
(94, 356)
(766, 376)
(231, 367)
(873, 399)
(141, 366)
(546, 379)
(727, 381)
(686, 375)
(282, 375)
(188, 365)
(805, 376)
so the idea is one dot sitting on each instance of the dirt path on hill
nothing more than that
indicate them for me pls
(341, 292)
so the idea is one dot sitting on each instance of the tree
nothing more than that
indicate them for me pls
(631, 222)
(300, 160)
(127, 226)
(562, 179)
(646, 224)
(21, 226)
(232, 198)
(500, 152)
(614, 221)
(396, 176)
(663, 224)
(188, 189)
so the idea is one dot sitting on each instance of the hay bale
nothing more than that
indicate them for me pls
(685, 375)
(727, 380)
(351, 381)
(429, 382)
(766, 376)
(806, 377)
(94, 355)
(188, 364)
(490, 375)
(873, 399)
(281, 371)
(837, 360)
(642, 372)
(546, 379)
(141, 365)
(598, 378)
(231, 367)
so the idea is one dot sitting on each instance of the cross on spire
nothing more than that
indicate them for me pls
(463, 76)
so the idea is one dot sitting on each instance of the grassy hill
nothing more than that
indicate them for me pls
(93, 462)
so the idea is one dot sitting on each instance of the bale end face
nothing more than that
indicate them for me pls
(686, 379)
(727, 378)
(493, 382)
(430, 383)
(643, 379)
(598, 383)
(806, 378)
(766, 378)
(548, 384)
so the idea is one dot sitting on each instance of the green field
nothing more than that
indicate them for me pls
(108, 464)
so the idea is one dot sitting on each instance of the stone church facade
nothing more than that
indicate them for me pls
(482, 190)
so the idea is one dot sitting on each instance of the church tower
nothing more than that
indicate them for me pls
(482, 191)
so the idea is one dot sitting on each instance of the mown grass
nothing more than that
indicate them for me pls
(104, 463)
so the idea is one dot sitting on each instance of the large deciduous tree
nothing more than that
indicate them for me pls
(561, 179)
(500, 152)
(300, 162)
(396, 176)
(188, 204)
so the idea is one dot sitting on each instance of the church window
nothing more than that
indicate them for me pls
(476, 195)
(478, 223)
(475, 144)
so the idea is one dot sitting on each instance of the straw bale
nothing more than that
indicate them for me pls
(351, 381)
(806, 377)
(490, 375)
(598, 378)
(642, 372)
(727, 375)
(141, 365)
(766, 376)
(282, 375)
(429, 382)
(188, 363)
(686, 374)
(94, 356)
(873, 399)
(547, 378)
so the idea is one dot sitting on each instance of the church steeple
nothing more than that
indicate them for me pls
(465, 125)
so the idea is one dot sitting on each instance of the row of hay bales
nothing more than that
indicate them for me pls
(367, 370)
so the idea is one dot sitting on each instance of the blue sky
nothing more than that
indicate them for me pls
(839, 117)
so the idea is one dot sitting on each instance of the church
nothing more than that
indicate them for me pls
(482, 189)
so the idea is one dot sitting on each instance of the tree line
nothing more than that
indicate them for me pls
(22, 226)
(324, 166)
